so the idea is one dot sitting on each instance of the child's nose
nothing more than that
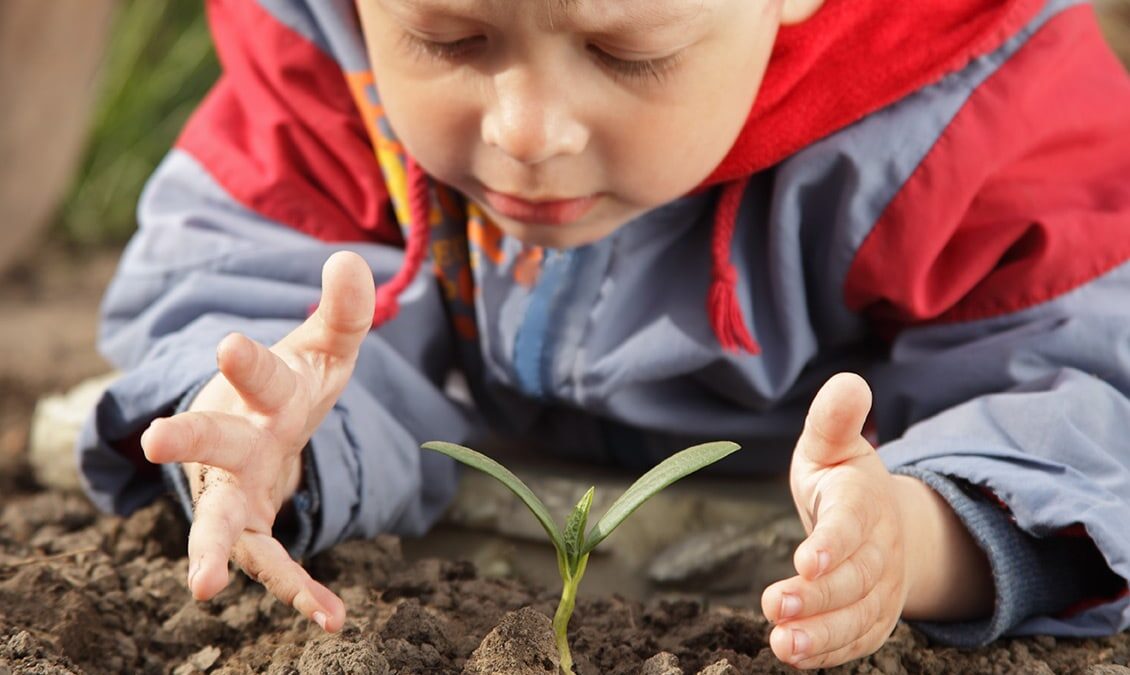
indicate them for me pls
(531, 122)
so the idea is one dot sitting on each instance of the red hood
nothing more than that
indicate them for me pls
(856, 56)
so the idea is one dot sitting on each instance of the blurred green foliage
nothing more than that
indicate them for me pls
(158, 65)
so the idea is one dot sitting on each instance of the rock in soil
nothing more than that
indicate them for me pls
(722, 667)
(663, 663)
(521, 644)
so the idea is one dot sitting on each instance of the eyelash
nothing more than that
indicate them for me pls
(453, 52)
(656, 70)
(444, 51)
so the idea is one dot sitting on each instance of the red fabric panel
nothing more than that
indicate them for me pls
(1024, 197)
(281, 133)
(854, 57)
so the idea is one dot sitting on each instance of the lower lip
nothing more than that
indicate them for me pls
(557, 212)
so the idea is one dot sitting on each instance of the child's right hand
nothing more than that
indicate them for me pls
(241, 441)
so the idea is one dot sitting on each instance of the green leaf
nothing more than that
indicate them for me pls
(668, 471)
(487, 465)
(575, 529)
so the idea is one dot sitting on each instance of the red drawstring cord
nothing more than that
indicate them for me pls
(416, 248)
(722, 305)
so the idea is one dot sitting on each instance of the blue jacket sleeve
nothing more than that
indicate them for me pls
(1038, 423)
(201, 266)
(1000, 272)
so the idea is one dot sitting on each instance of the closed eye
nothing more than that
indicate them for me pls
(636, 69)
(454, 50)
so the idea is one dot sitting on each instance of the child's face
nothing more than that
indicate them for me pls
(564, 119)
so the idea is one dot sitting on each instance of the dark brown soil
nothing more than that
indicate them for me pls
(82, 592)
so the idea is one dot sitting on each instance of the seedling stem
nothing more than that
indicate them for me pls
(573, 546)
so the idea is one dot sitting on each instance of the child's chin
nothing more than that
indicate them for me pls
(568, 235)
(585, 231)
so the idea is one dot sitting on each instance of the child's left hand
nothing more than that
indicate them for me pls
(853, 567)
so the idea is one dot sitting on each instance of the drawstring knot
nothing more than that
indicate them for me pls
(723, 308)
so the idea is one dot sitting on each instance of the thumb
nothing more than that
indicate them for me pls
(345, 313)
(834, 426)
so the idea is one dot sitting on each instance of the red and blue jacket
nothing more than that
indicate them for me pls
(935, 195)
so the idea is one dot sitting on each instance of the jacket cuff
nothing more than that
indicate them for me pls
(1032, 575)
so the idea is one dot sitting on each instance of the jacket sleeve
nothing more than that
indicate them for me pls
(1001, 275)
(235, 225)
(201, 266)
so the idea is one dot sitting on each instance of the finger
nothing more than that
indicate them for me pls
(845, 633)
(265, 560)
(848, 583)
(263, 380)
(846, 514)
(218, 520)
(213, 438)
(834, 426)
(345, 313)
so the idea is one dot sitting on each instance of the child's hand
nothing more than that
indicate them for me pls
(241, 441)
(853, 580)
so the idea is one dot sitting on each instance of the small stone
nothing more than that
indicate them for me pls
(663, 663)
(190, 625)
(242, 614)
(522, 642)
(1034, 667)
(1046, 642)
(54, 427)
(887, 661)
(205, 658)
(1106, 669)
(723, 667)
(23, 645)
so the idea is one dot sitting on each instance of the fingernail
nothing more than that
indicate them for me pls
(790, 605)
(822, 562)
(801, 643)
(320, 619)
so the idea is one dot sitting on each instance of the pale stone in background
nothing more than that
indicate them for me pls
(54, 429)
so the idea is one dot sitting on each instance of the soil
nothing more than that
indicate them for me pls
(83, 592)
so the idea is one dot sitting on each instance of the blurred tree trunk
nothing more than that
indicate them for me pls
(1114, 16)
(50, 54)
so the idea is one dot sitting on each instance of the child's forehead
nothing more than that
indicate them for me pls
(602, 14)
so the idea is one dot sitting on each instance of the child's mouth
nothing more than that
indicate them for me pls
(541, 212)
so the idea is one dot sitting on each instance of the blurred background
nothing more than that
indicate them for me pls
(93, 93)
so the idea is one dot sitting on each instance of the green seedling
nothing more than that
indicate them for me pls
(572, 544)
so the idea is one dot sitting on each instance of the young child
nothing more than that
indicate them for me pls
(634, 226)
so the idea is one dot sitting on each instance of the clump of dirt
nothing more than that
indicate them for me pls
(82, 592)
